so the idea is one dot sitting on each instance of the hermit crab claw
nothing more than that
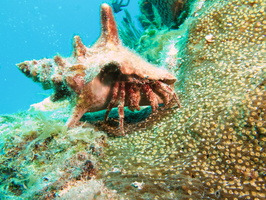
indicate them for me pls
(104, 76)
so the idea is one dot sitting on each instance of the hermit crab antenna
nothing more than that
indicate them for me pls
(109, 28)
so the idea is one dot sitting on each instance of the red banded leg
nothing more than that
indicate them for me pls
(121, 107)
(159, 91)
(151, 96)
(113, 101)
(133, 97)
(167, 89)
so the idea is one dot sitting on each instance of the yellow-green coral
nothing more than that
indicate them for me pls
(215, 146)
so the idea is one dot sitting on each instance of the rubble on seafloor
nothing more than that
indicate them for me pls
(211, 148)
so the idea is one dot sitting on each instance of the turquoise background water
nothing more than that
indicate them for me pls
(34, 29)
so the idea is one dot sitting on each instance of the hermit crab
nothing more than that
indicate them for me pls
(104, 76)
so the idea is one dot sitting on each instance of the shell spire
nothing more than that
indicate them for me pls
(109, 29)
(80, 49)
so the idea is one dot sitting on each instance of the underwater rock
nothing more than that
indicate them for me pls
(103, 76)
(41, 159)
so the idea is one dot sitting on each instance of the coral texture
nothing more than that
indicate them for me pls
(103, 76)
(214, 147)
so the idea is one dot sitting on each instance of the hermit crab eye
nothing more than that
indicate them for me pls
(111, 67)
(110, 72)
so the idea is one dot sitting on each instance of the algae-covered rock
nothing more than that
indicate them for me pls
(42, 159)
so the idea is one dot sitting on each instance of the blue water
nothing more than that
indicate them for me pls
(34, 29)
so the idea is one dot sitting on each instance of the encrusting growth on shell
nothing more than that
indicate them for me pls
(103, 76)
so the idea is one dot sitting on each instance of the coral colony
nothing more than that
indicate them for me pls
(103, 76)
(211, 148)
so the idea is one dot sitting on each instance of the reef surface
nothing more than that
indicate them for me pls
(211, 148)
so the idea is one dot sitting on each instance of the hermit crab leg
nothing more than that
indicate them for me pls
(113, 101)
(133, 97)
(175, 97)
(121, 107)
(151, 96)
(168, 90)
(164, 95)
